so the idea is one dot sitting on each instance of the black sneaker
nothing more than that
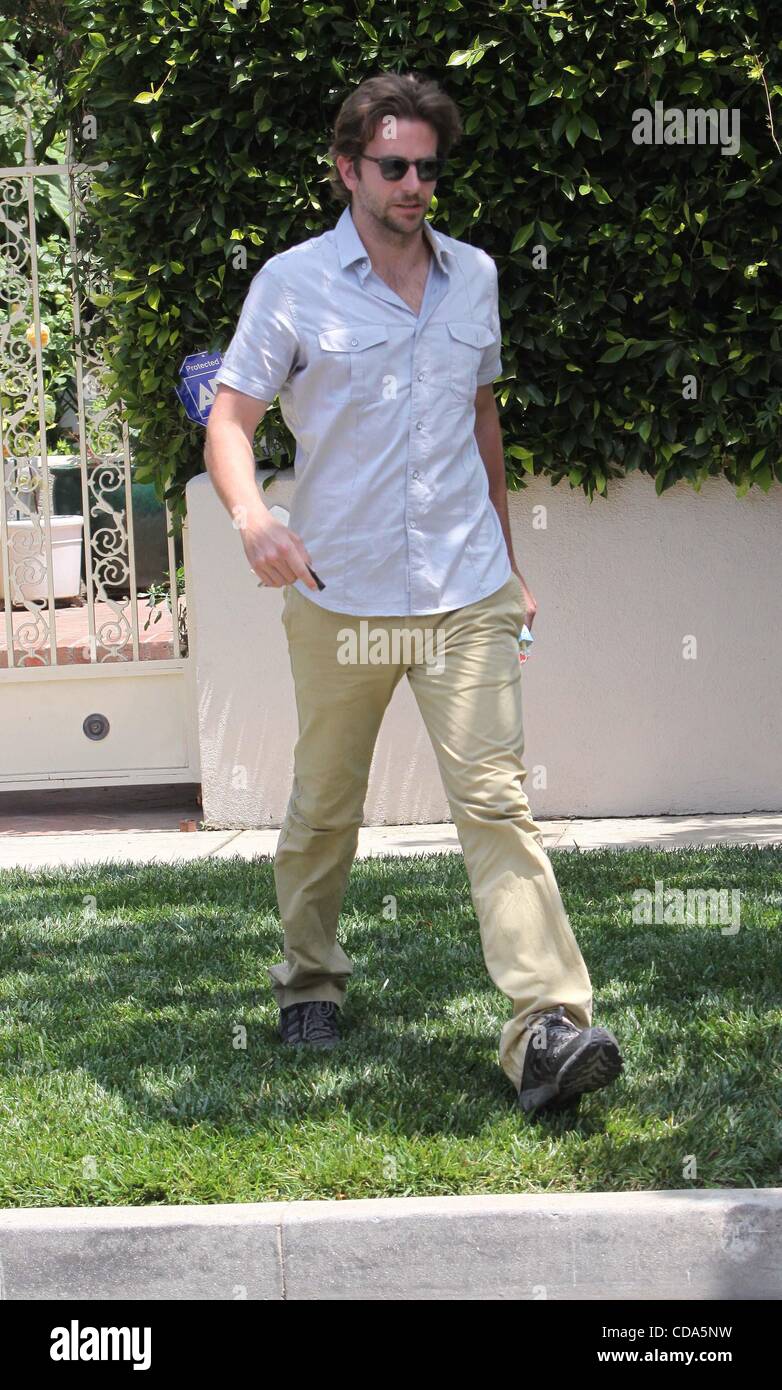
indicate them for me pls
(567, 1061)
(312, 1023)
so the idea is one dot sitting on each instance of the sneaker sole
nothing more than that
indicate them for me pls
(595, 1064)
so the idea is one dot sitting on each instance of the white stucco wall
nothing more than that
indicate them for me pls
(617, 721)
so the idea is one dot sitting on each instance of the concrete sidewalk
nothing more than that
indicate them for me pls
(84, 842)
(682, 1244)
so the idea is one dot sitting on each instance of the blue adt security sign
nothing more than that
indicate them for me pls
(198, 385)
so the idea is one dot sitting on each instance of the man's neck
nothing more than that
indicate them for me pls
(395, 253)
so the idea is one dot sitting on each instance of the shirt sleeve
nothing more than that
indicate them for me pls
(491, 362)
(265, 345)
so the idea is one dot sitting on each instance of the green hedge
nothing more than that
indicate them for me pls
(663, 260)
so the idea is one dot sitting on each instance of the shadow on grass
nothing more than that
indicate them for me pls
(144, 978)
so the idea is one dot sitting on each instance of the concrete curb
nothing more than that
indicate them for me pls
(703, 1244)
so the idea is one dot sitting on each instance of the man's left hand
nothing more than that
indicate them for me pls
(529, 600)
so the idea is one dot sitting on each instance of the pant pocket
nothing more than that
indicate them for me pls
(516, 599)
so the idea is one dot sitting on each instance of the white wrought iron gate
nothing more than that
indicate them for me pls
(96, 686)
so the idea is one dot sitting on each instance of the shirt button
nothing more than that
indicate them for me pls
(354, 342)
(420, 376)
(419, 425)
(416, 474)
(364, 265)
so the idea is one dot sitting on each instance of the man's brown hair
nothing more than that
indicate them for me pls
(405, 95)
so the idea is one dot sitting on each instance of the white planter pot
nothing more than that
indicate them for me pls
(27, 542)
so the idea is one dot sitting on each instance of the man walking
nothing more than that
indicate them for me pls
(382, 338)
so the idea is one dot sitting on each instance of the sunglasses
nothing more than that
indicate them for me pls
(393, 167)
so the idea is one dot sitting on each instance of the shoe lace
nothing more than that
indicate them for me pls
(556, 1023)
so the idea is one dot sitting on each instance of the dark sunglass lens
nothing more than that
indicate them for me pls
(428, 169)
(394, 169)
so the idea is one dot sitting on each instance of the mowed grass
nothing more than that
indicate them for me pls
(127, 993)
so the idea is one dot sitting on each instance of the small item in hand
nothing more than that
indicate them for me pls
(525, 640)
(319, 582)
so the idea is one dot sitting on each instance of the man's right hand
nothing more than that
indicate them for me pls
(275, 553)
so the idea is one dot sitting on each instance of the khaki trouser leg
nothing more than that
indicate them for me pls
(473, 714)
(340, 709)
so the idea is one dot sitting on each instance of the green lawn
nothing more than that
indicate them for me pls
(121, 989)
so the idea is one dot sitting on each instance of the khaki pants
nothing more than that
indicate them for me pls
(472, 712)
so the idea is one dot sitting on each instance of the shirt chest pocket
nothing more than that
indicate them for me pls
(356, 363)
(466, 342)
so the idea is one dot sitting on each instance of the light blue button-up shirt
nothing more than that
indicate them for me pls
(392, 497)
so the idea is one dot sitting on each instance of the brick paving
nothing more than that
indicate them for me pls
(71, 621)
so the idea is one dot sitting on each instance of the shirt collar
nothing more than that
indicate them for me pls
(351, 248)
